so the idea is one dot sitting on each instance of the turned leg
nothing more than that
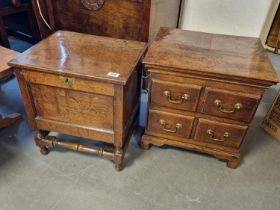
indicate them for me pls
(44, 150)
(118, 158)
(233, 163)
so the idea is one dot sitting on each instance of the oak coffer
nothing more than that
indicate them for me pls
(204, 91)
(82, 85)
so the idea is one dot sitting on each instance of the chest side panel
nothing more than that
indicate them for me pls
(72, 106)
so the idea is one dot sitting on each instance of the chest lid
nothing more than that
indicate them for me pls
(222, 56)
(82, 55)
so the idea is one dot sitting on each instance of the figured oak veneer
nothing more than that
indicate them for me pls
(124, 19)
(82, 85)
(214, 85)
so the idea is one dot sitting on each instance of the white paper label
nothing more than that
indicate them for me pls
(113, 74)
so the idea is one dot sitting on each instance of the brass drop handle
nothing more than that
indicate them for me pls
(212, 136)
(219, 103)
(168, 95)
(67, 81)
(167, 128)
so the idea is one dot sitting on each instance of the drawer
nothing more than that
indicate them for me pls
(68, 82)
(229, 104)
(175, 95)
(228, 135)
(170, 124)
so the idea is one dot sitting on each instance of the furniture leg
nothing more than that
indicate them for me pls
(6, 121)
(233, 163)
(144, 144)
(44, 150)
(45, 142)
(3, 34)
(119, 158)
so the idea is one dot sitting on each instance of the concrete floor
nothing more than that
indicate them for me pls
(160, 178)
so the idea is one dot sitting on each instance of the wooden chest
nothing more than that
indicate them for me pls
(125, 19)
(204, 91)
(82, 85)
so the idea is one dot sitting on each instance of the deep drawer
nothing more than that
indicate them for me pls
(230, 104)
(228, 135)
(175, 95)
(170, 124)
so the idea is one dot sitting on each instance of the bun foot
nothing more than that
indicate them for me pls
(233, 163)
(144, 145)
(44, 150)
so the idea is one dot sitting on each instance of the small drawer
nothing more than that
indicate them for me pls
(229, 104)
(175, 95)
(170, 124)
(228, 135)
(66, 82)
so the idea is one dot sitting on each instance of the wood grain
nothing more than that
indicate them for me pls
(236, 133)
(125, 19)
(6, 55)
(66, 88)
(225, 77)
(83, 56)
(211, 55)
(228, 100)
(177, 91)
(171, 120)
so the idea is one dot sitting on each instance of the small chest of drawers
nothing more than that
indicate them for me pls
(204, 91)
(82, 85)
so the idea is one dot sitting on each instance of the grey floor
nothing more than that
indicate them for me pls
(160, 178)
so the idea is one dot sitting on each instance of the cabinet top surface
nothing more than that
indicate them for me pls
(211, 54)
(88, 56)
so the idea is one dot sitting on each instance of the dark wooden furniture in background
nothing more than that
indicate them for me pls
(12, 7)
(126, 19)
(204, 91)
(5, 73)
(82, 85)
(273, 39)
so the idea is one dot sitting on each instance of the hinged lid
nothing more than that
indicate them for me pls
(223, 56)
(81, 55)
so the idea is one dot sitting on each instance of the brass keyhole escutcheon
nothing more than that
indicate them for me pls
(93, 5)
(67, 81)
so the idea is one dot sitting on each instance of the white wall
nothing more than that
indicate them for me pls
(235, 17)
